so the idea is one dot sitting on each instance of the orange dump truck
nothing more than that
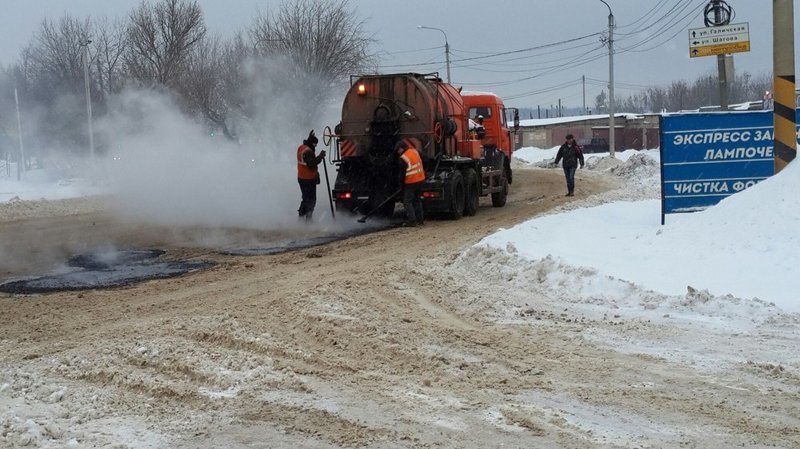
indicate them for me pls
(463, 160)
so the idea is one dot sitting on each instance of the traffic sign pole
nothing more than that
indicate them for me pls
(723, 76)
(784, 115)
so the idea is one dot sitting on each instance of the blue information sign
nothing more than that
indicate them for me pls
(707, 157)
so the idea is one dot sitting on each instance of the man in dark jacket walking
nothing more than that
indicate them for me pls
(308, 174)
(572, 154)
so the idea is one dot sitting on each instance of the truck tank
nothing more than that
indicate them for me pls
(380, 110)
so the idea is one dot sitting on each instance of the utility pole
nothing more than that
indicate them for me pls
(723, 75)
(783, 115)
(583, 79)
(611, 127)
(85, 45)
(447, 57)
(19, 131)
(560, 111)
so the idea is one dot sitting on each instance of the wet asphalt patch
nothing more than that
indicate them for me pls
(105, 270)
(306, 243)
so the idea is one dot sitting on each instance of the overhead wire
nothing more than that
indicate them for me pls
(676, 9)
(645, 16)
(674, 15)
(664, 29)
(544, 71)
(494, 55)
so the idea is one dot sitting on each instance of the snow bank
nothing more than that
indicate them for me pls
(745, 246)
(539, 157)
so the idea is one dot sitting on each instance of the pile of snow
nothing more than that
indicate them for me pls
(534, 156)
(542, 158)
(743, 247)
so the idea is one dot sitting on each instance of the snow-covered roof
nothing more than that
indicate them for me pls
(472, 93)
(576, 118)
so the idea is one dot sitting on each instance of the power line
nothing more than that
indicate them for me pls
(494, 55)
(645, 16)
(616, 83)
(531, 64)
(668, 15)
(663, 30)
(542, 90)
(418, 50)
(544, 71)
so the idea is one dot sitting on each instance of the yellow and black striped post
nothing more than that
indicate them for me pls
(783, 84)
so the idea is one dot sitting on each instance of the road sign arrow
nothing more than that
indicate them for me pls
(694, 52)
(694, 34)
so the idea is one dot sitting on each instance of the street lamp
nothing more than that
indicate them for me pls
(446, 47)
(85, 44)
(611, 141)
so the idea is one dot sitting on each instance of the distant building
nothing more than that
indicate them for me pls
(633, 131)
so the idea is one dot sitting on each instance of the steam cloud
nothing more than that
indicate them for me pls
(166, 169)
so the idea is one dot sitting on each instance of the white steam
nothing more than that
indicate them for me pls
(165, 168)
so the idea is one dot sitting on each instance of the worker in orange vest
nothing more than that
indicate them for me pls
(411, 177)
(308, 174)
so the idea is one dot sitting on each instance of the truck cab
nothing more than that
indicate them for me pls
(488, 111)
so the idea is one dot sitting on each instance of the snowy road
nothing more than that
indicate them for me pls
(399, 339)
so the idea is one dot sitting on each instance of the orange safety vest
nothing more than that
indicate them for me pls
(414, 171)
(303, 170)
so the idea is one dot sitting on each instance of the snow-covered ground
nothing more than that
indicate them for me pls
(699, 291)
(43, 185)
(745, 246)
(734, 267)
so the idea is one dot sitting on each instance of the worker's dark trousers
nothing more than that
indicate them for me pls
(413, 203)
(308, 189)
(569, 173)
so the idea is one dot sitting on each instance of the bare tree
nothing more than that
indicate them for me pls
(600, 102)
(324, 40)
(679, 97)
(109, 42)
(161, 38)
(56, 55)
(200, 84)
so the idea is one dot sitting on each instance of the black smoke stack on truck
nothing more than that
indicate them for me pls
(381, 110)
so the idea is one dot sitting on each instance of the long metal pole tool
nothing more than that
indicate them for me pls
(377, 208)
(328, 184)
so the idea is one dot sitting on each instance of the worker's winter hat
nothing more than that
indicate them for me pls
(569, 136)
(312, 139)
(401, 146)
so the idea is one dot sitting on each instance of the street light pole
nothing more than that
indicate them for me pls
(446, 47)
(21, 165)
(611, 140)
(85, 44)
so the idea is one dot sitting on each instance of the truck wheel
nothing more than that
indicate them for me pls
(499, 198)
(456, 195)
(473, 191)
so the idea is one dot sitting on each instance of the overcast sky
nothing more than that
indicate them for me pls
(478, 28)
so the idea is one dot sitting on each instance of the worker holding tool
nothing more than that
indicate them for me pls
(308, 174)
(411, 177)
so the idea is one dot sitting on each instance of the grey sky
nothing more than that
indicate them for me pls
(475, 28)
